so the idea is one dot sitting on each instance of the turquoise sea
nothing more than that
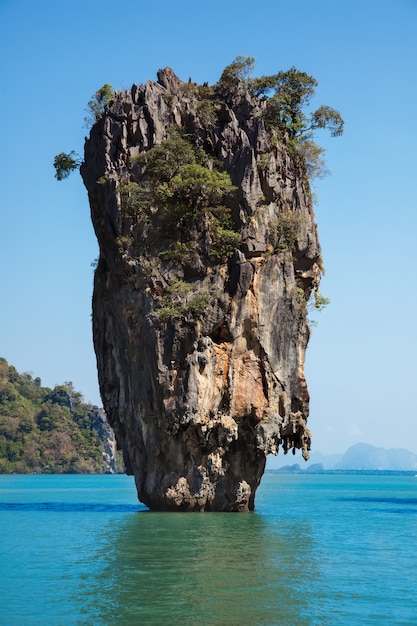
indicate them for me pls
(319, 549)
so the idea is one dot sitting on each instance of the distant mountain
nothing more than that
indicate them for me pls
(315, 468)
(327, 461)
(363, 456)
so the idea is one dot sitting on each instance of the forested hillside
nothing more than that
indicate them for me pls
(45, 430)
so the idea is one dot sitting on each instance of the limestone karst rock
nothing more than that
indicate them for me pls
(199, 307)
(100, 424)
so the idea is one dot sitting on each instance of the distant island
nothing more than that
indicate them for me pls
(359, 457)
(51, 431)
(363, 456)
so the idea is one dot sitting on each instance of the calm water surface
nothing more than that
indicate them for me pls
(319, 549)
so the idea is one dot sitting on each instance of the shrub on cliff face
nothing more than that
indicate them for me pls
(180, 300)
(194, 189)
(97, 104)
(135, 201)
(172, 301)
(284, 232)
(183, 252)
(161, 163)
(311, 157)
(224, 240)
(65, 163)
(179, 182)
(235, 77)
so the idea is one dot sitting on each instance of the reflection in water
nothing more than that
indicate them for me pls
(213, 568)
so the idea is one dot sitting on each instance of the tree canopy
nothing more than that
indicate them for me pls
(97, 104)
(287, 95)
(65, 163)
(236, 75)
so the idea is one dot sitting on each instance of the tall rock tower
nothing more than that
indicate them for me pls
(208, 257)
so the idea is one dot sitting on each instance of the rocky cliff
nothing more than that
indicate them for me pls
(106, 435)
(208, 257)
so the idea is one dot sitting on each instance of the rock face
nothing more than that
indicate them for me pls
(100, 424)
(200, 330)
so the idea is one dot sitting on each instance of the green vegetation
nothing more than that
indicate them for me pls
(318, 302)
(65, 163)
(183, 252)
(204, 100)
(180, 186)
(97, 104)
(315, 302)
(311, 156)
(172, 301)
(198, 304)
(235, 77)
(134, 200)
(194, 190)
(163, 162)
(287, 94)
(284, 231)
(45, 430)
(179, 301)
(225, 240)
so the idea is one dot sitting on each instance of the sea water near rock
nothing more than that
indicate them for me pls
(319, 549)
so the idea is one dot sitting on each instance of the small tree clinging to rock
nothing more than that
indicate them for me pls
(287, 94)
(97, 104)
(66, 162)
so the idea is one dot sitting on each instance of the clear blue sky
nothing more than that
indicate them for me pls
(361, 366)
